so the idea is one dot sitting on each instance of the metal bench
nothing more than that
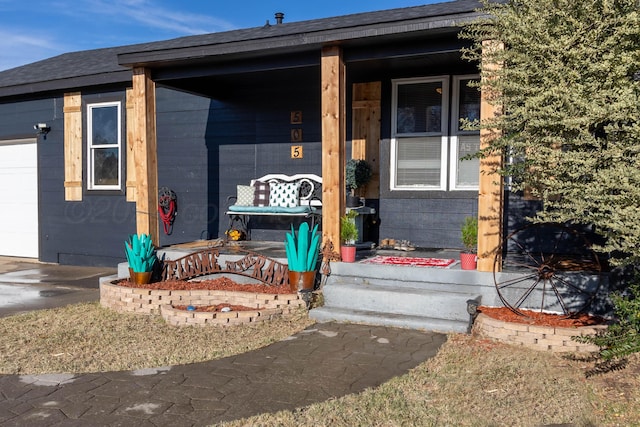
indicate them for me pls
(309, 202)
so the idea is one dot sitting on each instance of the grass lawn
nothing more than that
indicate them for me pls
(471, 382)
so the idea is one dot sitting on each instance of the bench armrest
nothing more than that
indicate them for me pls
(231, 200)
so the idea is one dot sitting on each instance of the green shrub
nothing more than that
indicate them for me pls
(621, 338)
(469, 233)
(348, 229)
(357, 174)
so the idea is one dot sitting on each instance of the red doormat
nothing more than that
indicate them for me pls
(410, 261)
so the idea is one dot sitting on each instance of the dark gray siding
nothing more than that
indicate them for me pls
(208, 145)
(183, 161)
(429, 223)
(516, 211)
(87, 232)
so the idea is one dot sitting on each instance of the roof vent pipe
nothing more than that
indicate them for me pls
(279, 17)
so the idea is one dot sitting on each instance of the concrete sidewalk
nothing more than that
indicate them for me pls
(26, 285)
(324, 361)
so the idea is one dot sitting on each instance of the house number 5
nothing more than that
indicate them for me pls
(296, 151)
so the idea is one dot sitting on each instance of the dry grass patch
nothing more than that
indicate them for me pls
(88, 338)
(474, 382)
(471, 382)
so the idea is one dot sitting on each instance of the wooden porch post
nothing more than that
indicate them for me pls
(333, 143)
(145, 153)
(131, 154)
(491, 189)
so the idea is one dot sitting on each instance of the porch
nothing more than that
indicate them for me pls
(391, 295)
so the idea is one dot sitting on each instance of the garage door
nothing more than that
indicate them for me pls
(19, 198)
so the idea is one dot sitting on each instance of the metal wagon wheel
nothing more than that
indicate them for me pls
(547, 267)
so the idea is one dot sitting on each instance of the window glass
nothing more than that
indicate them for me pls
(105, 170)
(420, 113)
(419, 162)
(468, 170)
(419, 108)
(467, 142)
(104, 130)
(468, 102)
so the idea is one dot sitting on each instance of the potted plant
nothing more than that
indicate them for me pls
(302, 256)
(469, 231)
(357, 174)
(141, 256)
(348, 236)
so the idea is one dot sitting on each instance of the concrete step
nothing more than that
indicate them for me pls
(335, 314)
(406, 275)
(399, 300)
(410, 297)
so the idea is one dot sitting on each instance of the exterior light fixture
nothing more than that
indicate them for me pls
(42, 129)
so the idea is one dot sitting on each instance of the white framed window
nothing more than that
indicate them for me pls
(427, 144)
(465, 174)
(419, 133)
(104, 139)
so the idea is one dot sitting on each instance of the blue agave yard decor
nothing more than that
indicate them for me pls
(302, 255)
(141, 256)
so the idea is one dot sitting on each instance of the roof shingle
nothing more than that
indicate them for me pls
(102, 66)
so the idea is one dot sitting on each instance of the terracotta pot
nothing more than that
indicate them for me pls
(140, 278)
(302, 280)
(348, 253)
(468, 261)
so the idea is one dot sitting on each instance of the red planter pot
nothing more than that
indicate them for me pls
(348, 253)
(468, 261)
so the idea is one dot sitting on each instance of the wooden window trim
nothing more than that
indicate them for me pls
(73, 146)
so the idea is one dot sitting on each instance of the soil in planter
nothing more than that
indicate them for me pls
(220, 284)
(541, 319)
(215, 308)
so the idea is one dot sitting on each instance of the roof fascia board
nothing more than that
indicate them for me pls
(67, 84)
(299, 40)
(403, 51)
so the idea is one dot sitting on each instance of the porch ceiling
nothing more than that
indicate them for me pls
(432, 56)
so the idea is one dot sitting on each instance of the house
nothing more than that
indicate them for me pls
(201, 114)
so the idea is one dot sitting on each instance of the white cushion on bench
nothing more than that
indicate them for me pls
(284, 195)
(245, 194)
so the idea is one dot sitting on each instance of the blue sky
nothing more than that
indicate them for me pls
(31, 30)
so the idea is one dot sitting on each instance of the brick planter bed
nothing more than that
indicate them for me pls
(545, 338)
(178, 317)
(161, 302)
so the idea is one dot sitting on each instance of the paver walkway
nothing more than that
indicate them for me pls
(326, 360)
